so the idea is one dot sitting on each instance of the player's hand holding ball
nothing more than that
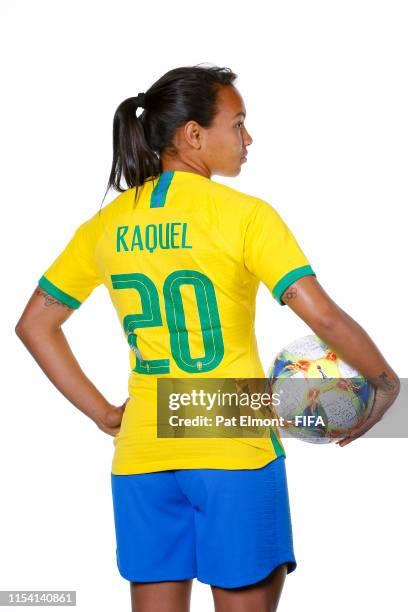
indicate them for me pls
(382, 401)
(112, 418)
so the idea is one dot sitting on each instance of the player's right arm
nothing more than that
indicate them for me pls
(40, 330)
(308, 300)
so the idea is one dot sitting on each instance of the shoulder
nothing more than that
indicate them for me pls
(120, 205)
(240, 201)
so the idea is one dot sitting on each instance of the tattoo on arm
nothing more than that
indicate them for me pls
(387, 383)
(50, 300)
(290, 293)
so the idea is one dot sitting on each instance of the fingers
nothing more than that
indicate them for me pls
(360, 431)
(344, 442)
(113, 419)
(353, 435)
(111, 431)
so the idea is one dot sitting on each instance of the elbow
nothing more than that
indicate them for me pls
(21, 330)
(19, 327)
(24, 327)
(397, 386)
(29, 330)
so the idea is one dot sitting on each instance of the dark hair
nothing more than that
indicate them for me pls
(181, 95)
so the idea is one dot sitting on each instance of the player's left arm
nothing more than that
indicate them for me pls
(307, 299)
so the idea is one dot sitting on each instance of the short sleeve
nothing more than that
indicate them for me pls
(74, 274)
(271, 252)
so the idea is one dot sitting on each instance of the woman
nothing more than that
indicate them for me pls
(182, 257)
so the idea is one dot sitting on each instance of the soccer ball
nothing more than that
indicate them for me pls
(320, 397)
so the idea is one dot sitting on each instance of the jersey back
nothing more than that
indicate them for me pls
(182, 266)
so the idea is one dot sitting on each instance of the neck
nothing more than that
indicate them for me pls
(196, 168)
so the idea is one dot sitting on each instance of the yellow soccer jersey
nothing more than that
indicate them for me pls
(182, 266)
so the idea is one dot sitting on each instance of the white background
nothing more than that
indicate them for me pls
(325, 87)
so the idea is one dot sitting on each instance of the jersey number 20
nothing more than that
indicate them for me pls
(151, 317)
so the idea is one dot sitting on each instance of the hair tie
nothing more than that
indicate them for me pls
(140, 100)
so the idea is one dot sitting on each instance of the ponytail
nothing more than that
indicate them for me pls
(133, 159)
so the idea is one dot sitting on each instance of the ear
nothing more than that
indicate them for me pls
(193, 134)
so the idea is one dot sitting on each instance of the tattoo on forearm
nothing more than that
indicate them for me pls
(290, 294)
(388, 383)
(50, 300)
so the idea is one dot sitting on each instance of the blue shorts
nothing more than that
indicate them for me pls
(227, 528)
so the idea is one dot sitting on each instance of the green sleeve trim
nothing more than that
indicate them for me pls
(63, 297)
(289, 279)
